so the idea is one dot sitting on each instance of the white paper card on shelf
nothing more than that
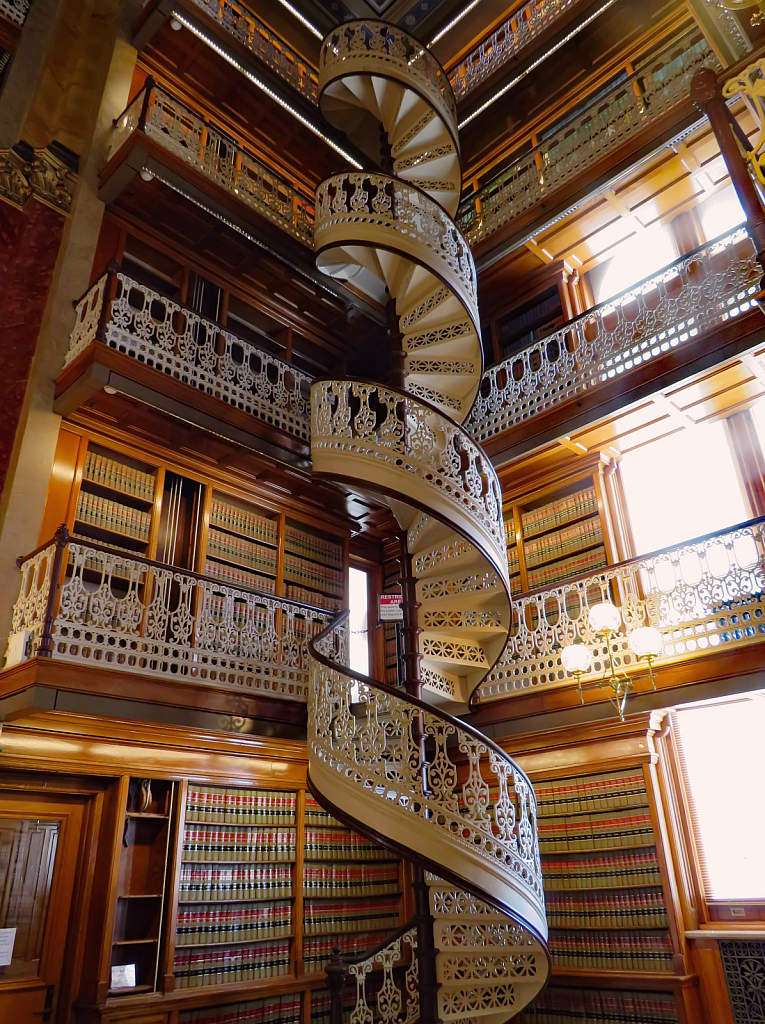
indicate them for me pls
(123, 976)
(7, 939)
(390, 608)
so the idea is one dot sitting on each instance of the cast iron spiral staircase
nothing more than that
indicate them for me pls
(398, 768)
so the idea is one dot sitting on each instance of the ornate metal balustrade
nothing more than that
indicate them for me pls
(704, 596)
(85, 603)
(639, 101)
(423, 454)
(515, 33)
(700, 291)
(379, 46)
(406, 758)
(202, 145)
(133, 319)
(246, 28)
(15, 10)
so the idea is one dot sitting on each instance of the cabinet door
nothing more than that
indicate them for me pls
(39, 847)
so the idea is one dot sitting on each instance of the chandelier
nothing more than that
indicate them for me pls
(605, 620)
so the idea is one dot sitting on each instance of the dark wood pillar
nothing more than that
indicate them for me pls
(396, 353)
(705, 93)
(410, 628)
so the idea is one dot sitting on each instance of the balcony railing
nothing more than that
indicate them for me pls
(241, 23)
(15, 10)
(704, 596)
(517, 32)
(132, 319)
(702, 290)
(584, 140)
(87, 604)
(201, 144)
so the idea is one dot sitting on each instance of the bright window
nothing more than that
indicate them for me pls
(358, 595)
(720, 213)
(724, 754)
(636, 258)
(681, 487)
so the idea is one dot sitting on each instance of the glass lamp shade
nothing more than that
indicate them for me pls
(605, 617)
(576, 658)
(646, 642)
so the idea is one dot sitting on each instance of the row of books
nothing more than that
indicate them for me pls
(320, 1005)
(209, 882)
(277, 1010)
(305, 596)
(331, 844)
(321, 917)
(240, 806)
(96, 562)
(212, 923)
(111, 515)
(559, 512)
(596, 831)
(240, 577)
(631, 908)
(590, 1006)
(227, 517)
(301, 571)
(197, 968)
(236, 613)
(316, 815)
(261, 844)
(591, 793)
(320, 549)
(108, 473)
(237, 549)
(612, 952)
(350, 880)
(576, 565)
(563, 542)
(629, 870)
(318, 950)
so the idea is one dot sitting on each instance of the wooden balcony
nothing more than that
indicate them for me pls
(130, 339)
(589, 149)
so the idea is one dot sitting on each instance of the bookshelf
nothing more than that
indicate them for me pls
(277, 1010)
(561, 1005)
(351, 889)
(242, 544)
(115, 502)
(235, 890)
(141, 884)
(314, 566)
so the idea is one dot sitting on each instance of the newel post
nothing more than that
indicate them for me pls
(61, 539)
(337, 975)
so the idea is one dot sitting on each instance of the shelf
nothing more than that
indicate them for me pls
(311, 558)
(105, 491)
(562, 557)
(146, 814)
(598, 851)
(244, 899)
(134, 942)
(560, 526)
(244, 536)
(606, 888)
(242, 824)
(234, 863)
(101, 532)
(239, 565)
(231, 942)
(597, 810)
(141, 896)
(135, 990)
(579, 928)
(309, 586)
(615, 978)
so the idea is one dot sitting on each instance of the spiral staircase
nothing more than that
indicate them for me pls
(400, 769)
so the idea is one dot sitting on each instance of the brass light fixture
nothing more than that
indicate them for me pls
(645, 642)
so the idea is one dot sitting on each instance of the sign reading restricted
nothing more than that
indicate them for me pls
(390, 608)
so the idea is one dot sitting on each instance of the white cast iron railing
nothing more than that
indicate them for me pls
(700, 291)
(505, 42)
(154, 330)
(405, 760)
(15, 10)
(417, 451)
(378, 47)
(250, 31)
(205, 147)
(84, 603)
(421, 227)
(704, 596)
(584, 139)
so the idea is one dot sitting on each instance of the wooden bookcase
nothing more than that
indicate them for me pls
(116, 496)
(616, 933)
(568, 527)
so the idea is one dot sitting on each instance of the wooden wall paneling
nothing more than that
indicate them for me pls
(105, 894)
(156, 514)
(166, 977)
(58, 501)
(110, 246)
(296, 959)
(606, 519)
(204, 530)
(716, 1008)
(519, 548)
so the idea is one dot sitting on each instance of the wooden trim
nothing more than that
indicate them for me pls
(165, 975)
